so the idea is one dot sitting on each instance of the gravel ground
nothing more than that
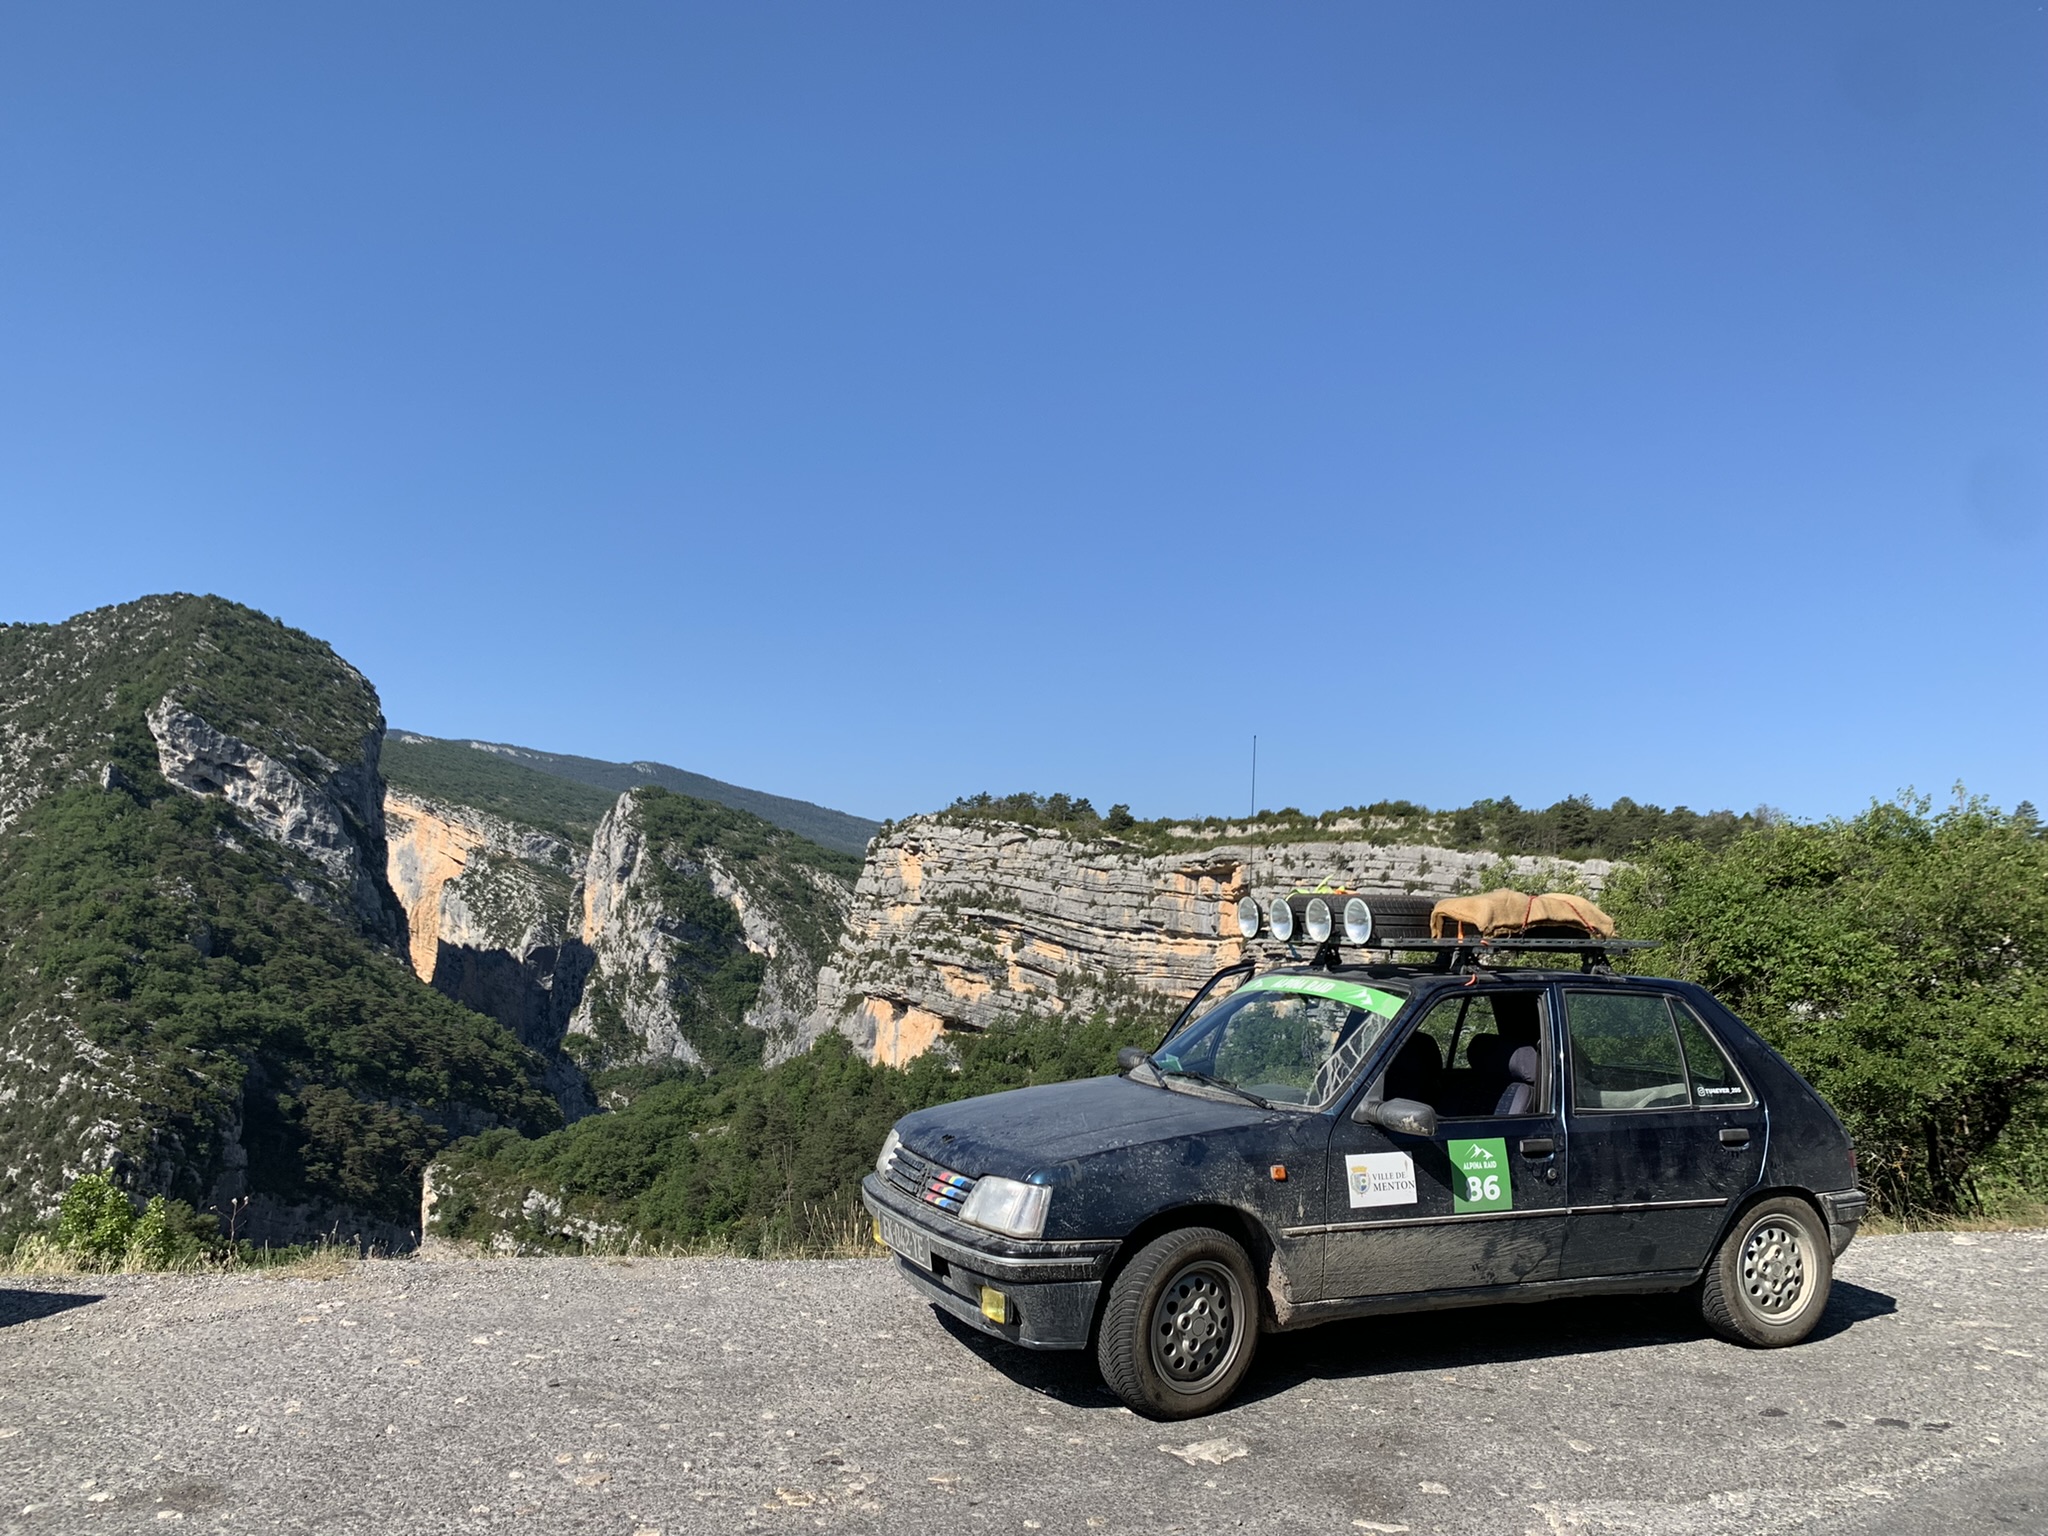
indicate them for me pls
(720, 1395)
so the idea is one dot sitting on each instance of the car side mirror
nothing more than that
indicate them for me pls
(1408, 1117)
(1131, 1056)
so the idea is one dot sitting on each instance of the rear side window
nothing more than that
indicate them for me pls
(1625, 1052)
(1715, 1082)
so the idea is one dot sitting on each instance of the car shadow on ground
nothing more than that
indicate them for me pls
(27, 1306)
(1370, 1348)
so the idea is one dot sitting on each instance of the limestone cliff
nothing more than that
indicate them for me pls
(488, 905)
(955, 924)
(327, 812)
(707, 928)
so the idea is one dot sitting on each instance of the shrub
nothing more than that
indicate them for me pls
(95, 1220)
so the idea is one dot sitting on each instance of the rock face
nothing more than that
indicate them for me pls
(487, 904)
(954, 924)
(333, 817)
(666, 955)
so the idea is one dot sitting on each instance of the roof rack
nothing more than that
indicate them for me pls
(1465, 954)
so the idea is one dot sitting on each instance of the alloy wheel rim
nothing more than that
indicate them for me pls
(1775, 1274)
(1195, 1326)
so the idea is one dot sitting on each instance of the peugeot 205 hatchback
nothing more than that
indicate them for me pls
(1332, 1140)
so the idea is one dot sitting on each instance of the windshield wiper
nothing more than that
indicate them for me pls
(1216, 1082)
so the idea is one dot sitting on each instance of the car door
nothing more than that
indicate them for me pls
(1483, 1201)
(1663, 1133)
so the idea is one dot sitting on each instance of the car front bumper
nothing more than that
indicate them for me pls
(1051, 1287)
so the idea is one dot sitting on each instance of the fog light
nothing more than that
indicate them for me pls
(1357, 921)
(995, 1306)
(1280, 918)
(1317, 920)
(1248, 917)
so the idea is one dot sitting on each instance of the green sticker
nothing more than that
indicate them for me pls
(1479, 1175)
(1350, 993)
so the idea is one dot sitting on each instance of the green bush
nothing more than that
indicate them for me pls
(1900, 961)
(95, 1220)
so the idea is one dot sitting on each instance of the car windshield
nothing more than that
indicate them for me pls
(1288, 1040)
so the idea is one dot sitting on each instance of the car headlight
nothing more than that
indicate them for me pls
(889, 1145)
(1008, 1205)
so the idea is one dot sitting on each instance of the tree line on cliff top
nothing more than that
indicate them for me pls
(1899, 959)
(1572, 828)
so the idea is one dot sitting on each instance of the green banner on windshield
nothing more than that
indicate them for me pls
(1350, 993)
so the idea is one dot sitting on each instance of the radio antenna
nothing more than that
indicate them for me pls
(1255, 776)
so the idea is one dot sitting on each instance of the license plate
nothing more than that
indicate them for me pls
(905, 1239)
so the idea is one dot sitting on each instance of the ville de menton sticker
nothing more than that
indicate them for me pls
(1380, 1178)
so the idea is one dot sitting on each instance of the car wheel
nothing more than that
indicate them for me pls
(1769, 1280)
(1181, 1324)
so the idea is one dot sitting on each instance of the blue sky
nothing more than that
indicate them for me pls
(882, 403)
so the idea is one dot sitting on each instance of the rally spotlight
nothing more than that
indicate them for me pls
(1280, 919)
(1357, 922)
(1316, 920)
(1248, 916)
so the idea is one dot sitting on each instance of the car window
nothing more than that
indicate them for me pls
(1715, 1082)
(1294, 1040)
(1625, 1052)
(1459, 1058)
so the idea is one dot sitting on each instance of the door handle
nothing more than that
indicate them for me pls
(1538, 1146)
(1735, 1136)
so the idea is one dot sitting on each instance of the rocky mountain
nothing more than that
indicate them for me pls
(958, 921)
(202, 977)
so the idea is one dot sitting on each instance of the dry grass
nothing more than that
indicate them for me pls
(38, 1255)
(2013, 1216)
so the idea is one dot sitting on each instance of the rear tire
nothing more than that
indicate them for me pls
(1181, 1325)
(1768, 1282)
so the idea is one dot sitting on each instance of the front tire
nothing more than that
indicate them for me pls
(1769, 1280)
(1181, 1325)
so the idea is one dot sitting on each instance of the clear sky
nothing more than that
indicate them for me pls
(879, 403)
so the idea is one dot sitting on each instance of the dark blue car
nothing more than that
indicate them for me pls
(1327, 1141)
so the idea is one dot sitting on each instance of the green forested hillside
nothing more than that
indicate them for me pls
(457, 772)
(72, 695)
(177, 1002)
(819, 824)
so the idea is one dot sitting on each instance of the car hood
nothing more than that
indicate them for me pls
(1030, 1130)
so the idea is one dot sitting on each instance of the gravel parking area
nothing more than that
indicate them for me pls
(673, 1396)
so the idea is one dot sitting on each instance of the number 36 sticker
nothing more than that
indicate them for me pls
(1479, 1175)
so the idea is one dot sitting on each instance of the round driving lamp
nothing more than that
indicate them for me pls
(1357, 921)
(1280, 918)
(1248, 917)
(1317, 920)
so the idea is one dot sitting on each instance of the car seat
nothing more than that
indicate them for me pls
(1519, 1097)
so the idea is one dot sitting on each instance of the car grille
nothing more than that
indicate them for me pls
(923, 1179)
